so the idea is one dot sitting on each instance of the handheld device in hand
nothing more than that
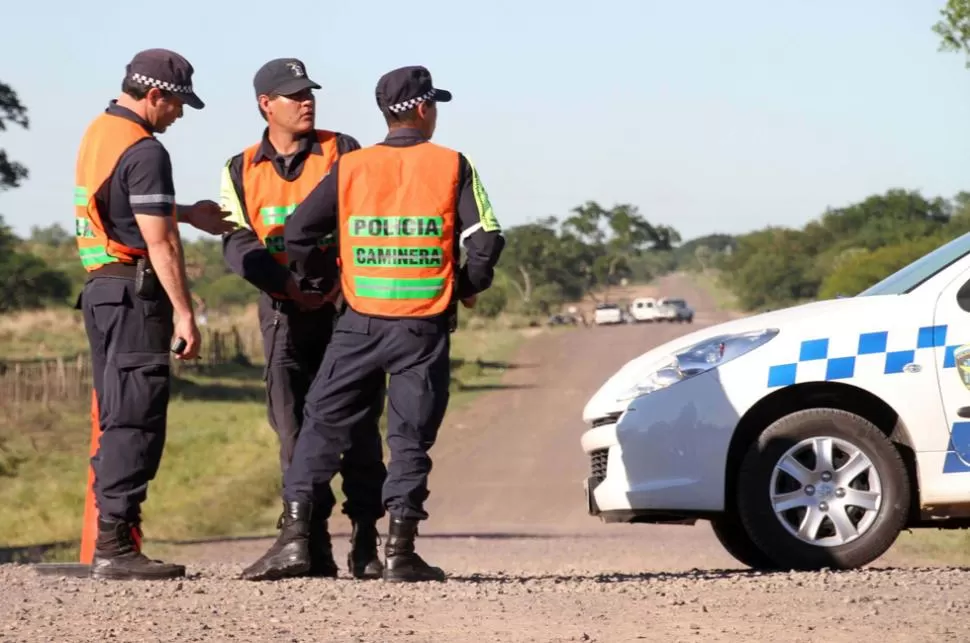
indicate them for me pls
(178, 346)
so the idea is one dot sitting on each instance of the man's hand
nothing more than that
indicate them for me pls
(207, 216)
(303, 300)
(331, 296)
(469, 302)
(187, 330)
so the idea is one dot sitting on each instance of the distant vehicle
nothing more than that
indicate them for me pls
(608, 314)
(674, 310)
(562, 319)
(809, 436)
(643, 309)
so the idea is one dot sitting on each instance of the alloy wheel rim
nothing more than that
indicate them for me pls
(825, 491)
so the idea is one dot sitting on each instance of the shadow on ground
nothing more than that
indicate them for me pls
(242, 381)
(468, 388)
(483, 365)
(44, 551)
(463, 370)
(693, 574)
(233, 382)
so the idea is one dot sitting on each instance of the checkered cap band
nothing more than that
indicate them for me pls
(411, 103)
(142, 79)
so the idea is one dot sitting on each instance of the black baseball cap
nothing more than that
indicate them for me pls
(165, 70)
(282, 76)
(404, 88)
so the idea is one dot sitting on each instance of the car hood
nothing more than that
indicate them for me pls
(819, 316)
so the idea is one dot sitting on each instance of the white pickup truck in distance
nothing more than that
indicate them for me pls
(608, 314)
(643, 309)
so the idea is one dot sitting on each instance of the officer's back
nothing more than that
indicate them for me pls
(400, 209)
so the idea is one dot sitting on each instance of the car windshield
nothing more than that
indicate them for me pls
(908, 278)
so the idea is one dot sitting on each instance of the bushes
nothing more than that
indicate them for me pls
(866, 268)
(844, 251)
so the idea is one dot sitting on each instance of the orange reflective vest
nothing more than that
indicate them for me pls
(105, 140)
(397, 229)
(271, 199)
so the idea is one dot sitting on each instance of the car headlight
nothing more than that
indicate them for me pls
(694, 360)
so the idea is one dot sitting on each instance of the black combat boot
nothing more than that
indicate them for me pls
(290, 554)
(363, 561)
(117, 555)
(403, 564)
(322, 563)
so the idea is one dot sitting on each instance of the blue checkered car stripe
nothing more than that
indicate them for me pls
(958, 451)
(844, 366)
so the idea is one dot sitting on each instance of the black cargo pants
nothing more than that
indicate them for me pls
(416, 355)
(129, 339)
(294, 344)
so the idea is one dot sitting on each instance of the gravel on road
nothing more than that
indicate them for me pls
(497, 601)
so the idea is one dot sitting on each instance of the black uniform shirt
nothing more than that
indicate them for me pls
(142, 183)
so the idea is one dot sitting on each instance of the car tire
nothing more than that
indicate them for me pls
(731, 534)
(880, 468)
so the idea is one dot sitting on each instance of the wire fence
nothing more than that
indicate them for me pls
(28, 383)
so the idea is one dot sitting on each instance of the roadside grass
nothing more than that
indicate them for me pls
(59, 332)
(935, 546)
(709, 281)
(42, 333)
(219, 475)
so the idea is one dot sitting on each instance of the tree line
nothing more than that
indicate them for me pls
(841, 253)
(552, 261)
(546, 263)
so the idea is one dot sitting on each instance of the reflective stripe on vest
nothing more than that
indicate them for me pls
(397, 229)
(271, 199)
(106, 139)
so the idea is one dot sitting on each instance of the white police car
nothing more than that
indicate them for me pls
(809, 436)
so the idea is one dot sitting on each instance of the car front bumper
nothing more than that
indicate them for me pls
(664, 457)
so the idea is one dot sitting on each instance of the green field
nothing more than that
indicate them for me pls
(219, 475)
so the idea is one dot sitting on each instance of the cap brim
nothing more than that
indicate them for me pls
(294, 86)
(441, 95)
(192, 100)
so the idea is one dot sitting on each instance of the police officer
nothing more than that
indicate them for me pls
(402, 209)
(260, 187)
(125, 224)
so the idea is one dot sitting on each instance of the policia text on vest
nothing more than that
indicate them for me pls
(396, 227)
(261, 187)
(401, 209)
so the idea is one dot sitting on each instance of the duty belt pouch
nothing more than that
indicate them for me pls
(146, 281)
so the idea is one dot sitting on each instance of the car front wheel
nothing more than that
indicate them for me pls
(823, 488)
(731, 534)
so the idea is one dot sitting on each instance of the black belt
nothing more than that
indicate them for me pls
(116, 269)
(289, 307)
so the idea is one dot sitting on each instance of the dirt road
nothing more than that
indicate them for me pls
(527, 563)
